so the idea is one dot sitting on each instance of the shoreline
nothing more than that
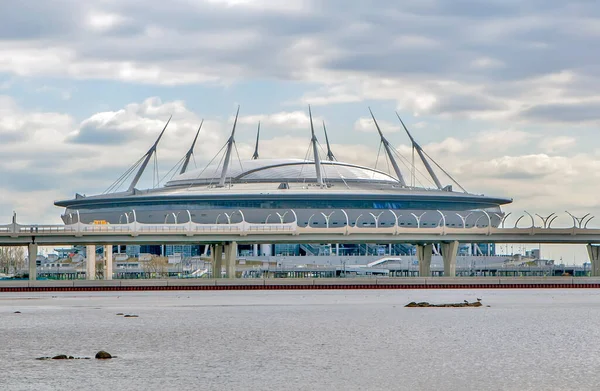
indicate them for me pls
(302, 284)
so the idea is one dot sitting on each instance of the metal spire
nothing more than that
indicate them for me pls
(190, 152)
(313, 140)
(421, 155)
(330, 155)
(388, 150)
(147, 157)
(255, 155)
(230, 143)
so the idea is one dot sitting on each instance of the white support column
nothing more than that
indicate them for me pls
(594, 253)
(265, 249)
(449, 251)
(32, 251)
(217, 260)
(90, 262)
(255, 250)
(337, 249)
(108, 262)
(231, 252)
(424, 252)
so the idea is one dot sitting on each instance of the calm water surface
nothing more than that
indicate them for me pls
(302, 340)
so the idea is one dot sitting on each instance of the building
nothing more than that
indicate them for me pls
(317, 192)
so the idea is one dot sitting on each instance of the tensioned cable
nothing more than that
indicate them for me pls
(409, 166)
(124, 176)
(205, 167)
(332, 164)
(415, 168)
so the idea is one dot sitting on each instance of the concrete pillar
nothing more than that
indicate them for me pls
(255, 250)
(265, 249)
(217, 260)
(449, 251)
(108, 262)
(424, 252)
(337, 249)
(90, 262)
(231, 252)
(594, 254)
(32, 251)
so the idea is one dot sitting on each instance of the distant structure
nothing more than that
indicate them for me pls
(316, 191)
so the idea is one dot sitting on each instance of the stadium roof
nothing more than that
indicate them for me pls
(282, 170)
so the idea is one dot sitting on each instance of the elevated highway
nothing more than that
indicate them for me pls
(224, 238)
(243, 232)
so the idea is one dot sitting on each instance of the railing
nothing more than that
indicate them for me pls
(243, 228)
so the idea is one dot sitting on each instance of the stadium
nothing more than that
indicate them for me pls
(318, 192)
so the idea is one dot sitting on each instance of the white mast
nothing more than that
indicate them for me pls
(388, 150)
(230, 143)
(330, 155)
(313, 140)
(147, 156)
(416, 146)
(190, 152)
(255, 155)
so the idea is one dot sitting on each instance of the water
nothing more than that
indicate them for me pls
(302, 340)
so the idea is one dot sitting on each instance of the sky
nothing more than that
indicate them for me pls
(503, 93)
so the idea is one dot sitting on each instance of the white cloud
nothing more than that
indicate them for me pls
(556, 144)
(487, 63)
(103, 21)
(366, 124)
(284, 119)
(504, 139)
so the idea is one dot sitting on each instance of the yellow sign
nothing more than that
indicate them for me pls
(100, 222)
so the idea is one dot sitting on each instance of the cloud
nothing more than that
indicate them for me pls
(366, 124)
(503, 139)
(556, 144)
(288, 120)
(564, 112)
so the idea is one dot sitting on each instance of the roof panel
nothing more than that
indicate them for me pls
(274, 170)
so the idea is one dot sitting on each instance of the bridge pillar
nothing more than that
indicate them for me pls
(424, 252)
(32, 251)
(266, 250)
(90, 262)
(594, 253)
(108, 262)
(217, 260)
(449, 251)
(255, 250)
(231, 251)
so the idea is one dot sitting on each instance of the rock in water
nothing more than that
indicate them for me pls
(61, 357)
(17, 312)
(102, 355)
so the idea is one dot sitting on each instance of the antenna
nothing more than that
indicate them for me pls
(388, 150)
(330, 155)
(147, 158)
(255, 155)
(230, 143)
(313, 141)
(421, 155)
(190, 152)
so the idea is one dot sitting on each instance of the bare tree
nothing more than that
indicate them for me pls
(157, 265)
(12, 259)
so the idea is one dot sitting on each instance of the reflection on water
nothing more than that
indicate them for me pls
(302, 340)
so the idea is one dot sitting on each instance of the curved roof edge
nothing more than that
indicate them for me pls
(295, 168)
